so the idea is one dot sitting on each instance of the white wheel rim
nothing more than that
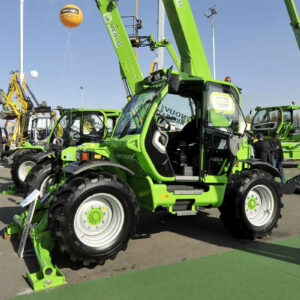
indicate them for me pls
(259, 205)
(102, 231)
(45, 185)
(24, 169)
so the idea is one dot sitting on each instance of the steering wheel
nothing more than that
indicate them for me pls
(58, 141)
(75, 134)
(160, 120)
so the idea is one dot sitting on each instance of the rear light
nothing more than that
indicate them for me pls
(227, 79)
(84, 156)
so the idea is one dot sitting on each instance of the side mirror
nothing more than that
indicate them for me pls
(174, 82)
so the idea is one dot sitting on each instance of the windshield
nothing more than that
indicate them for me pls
(223, 108)
(134, 114)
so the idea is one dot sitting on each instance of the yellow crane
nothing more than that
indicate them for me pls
(18, 110)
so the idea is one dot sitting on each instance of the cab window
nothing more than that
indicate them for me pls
(93, 124)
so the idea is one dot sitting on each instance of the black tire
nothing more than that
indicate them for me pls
(235, 210)
(20, 152)
(297, 181)
(69, 200)
(37, 176)
(17, 175)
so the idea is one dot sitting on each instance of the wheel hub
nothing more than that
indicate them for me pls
(252, 203)
(95, 216)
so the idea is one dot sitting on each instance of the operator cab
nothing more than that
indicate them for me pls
(206, 116)
(284, 120)
(78, 127)
(202, 138)
(268, 121)
(40, 128)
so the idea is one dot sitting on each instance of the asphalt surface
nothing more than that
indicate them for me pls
(161, 240)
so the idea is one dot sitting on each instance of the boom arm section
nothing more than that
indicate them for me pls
(130, 68)
(294, 17)
(193, 58)
(21, 113)
(13, 113)
(167, 44)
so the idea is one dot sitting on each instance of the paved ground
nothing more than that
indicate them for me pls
(161, 240)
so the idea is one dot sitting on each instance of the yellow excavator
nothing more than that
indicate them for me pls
(20, 109)
(15, 110)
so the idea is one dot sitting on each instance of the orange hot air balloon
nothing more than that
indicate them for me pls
(71, 16)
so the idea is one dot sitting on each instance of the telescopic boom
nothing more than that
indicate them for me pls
(294, 17)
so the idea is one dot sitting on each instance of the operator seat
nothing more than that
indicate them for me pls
(189, 132)
(183, 150)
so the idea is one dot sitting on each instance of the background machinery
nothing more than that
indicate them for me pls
(74, 127)
(284, 120)
(21, 109)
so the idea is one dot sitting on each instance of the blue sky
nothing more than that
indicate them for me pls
(254, 45)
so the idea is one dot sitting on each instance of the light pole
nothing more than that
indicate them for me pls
(160, 34)
(21, 41)
(211, 16)
(82, 100)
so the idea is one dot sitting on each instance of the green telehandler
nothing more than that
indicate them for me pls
(74, 127)
(148, 163)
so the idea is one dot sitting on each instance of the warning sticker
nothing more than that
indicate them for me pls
(107, 17)
(179, 3)
(222, 102)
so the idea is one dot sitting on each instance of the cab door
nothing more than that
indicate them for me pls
(224, 126)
